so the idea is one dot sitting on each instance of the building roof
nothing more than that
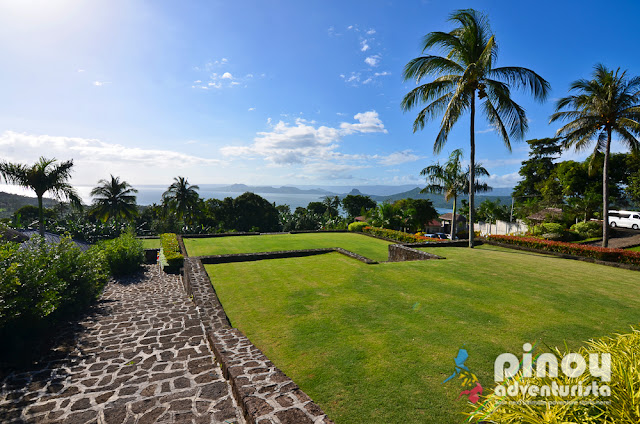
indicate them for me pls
(544, 213)
(55, 238)
(10, 234)
(447, 217)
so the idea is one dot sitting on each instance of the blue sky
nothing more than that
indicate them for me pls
(269, 92)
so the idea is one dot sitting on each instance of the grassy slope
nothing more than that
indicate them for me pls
(367, 246)
(374, 343)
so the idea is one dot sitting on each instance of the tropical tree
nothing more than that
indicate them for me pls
(181, 197)
(608, 103)
(452, 181)
(357, 204)
(331, 205)
(465, 72)
(114, 199)
(43, 176)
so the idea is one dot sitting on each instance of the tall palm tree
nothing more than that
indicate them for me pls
(114, 199)
(466, 71)
(608, 103)
(452, 181)
(43, 176)
(181, 197)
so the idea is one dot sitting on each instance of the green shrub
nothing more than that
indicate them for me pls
(43, 282)
(124, 254)
(620, 407)
(590, 229)
(170, 258)
(357, 226)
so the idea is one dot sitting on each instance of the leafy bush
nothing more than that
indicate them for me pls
(589, 229)
(398, 236)
(620, 407)
(170, 258)
(42, 282)
(357, 226)
(595, 252)
(124, 254)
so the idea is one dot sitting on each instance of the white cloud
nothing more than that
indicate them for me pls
(364, 46)
(100, 83)
(305, 143)
(506, 180)
(227, 75)
(373, 61)
(371, 31)
(92, 157)
(80, 70)
(382, 74)
(251, 109)
(488, 130)
(369, 122)
(397, 158)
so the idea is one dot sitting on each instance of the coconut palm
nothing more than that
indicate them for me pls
(181, 197)
(466, 71)
(608, 103)
(452, 181)
(42, 177)
(114, 199)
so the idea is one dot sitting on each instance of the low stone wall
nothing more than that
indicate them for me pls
(265, 394)
(401, 253)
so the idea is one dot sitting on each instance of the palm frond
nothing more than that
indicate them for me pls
(523, 78)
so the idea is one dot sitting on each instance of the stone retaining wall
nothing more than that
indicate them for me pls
(401, 253)
(259, 256)
(264, 393)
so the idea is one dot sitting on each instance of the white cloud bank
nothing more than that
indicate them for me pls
(95, 159)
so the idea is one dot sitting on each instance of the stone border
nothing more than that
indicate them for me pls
(402, 253)
(263, 392)
(564, 255)
(259, 256)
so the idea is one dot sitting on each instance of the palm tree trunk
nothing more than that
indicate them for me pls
(472, 173)
(40, 215)
(453, 218)
(605, 192)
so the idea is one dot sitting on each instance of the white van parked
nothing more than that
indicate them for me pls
(628, 219)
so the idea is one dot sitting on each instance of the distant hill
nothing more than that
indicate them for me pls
(241, 188)
(437, 199)
(9, 203)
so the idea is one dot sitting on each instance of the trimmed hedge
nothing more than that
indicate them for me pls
(357, 226)
(399, 236)
(171, 260)
(600, 253)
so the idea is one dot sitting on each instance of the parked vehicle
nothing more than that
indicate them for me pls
(628, 219)
(441, 236)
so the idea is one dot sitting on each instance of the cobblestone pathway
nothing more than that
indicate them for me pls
(141, 357)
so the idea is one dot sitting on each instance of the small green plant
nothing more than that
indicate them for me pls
(124, 254)
(590, 229)
(170, 258)
(357, 226)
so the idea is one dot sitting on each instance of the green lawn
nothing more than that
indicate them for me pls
(635, 249)
(373, 343)
(150, 243)
(366, 246)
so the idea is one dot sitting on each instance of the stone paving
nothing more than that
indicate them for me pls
(140, 357)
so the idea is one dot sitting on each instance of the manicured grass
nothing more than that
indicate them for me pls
(373, 343)
(635, 249)
(150, 243)
(370, 247)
